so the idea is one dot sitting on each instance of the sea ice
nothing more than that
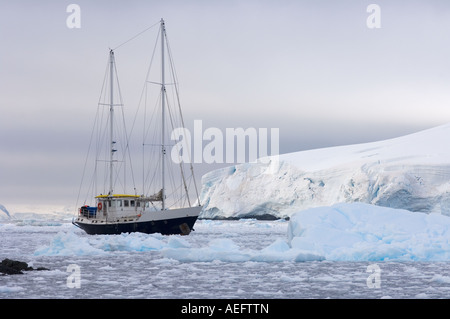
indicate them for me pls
(172, 247)
(115, 266)
(72, 244)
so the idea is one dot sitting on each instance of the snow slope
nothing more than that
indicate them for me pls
(410, 172)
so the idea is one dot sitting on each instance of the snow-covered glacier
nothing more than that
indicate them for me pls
(411, 172)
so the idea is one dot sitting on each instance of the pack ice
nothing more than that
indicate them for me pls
(410, 172)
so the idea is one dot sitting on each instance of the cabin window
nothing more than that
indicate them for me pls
(109, 203)
(138, 204)
(125, 203)
(132, 203)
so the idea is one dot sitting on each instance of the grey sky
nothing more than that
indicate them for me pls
(312, 68)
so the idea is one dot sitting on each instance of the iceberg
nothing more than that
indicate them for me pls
(411, 172)
(363, 232)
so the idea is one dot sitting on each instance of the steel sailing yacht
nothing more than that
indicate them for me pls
(115, 213)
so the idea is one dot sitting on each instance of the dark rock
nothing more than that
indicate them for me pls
(15, 267)
(42, 268)
(9, 271)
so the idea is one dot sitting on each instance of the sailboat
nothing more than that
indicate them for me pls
(119, 212)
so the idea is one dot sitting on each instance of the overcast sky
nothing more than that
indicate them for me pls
(313, 69)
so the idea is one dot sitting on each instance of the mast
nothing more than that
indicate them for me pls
(163, 98)
(111, 111)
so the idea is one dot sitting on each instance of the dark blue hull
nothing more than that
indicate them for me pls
(175, 226)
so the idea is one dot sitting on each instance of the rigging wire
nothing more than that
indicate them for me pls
(134, 37)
